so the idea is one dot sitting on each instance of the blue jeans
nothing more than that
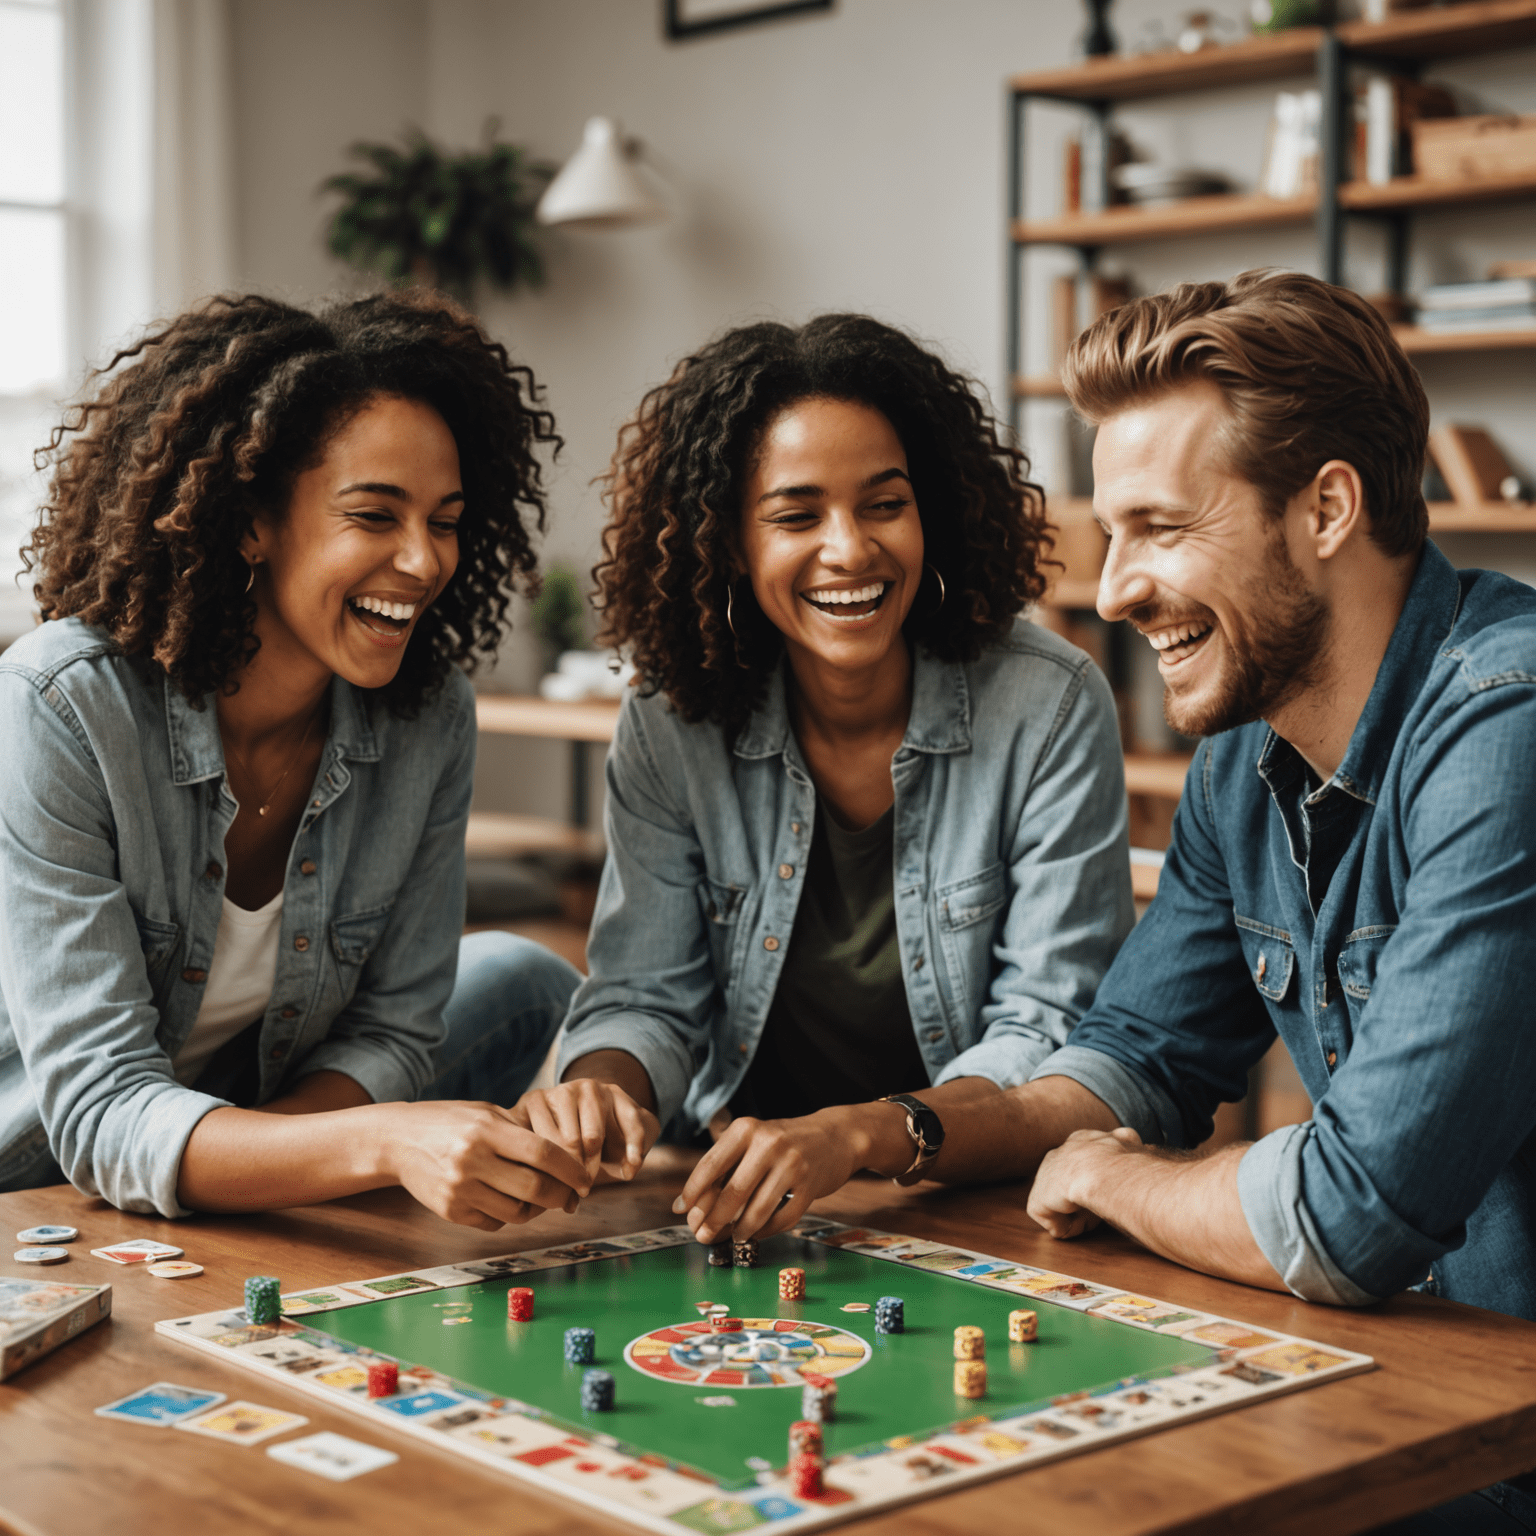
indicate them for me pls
(508, 999)
(1505, 1509)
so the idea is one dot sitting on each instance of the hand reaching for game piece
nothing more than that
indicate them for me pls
(595, 1121)
(480, 1165)
(1060, 1196)
(760, 1176)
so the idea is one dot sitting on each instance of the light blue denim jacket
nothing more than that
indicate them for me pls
(1012, 877)
(113, 810)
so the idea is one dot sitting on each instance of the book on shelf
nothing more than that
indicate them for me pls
(1498, 304)
(1470, 463)
(1290, 157)
(1386, 109)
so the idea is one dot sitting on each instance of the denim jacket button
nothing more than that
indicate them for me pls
(215, 870)
(917, 964)
(1333, 1056)
(794, 827)
(744, 1048)
(307, 867)
(289, 1013)
(786, 871)
(1258, 975)
(192, 974)
(770, 942)
(279, 1051)
(301, 942)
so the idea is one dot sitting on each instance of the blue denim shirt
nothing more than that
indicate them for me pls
(1012, 879)
(1384, 924)
(113, 810)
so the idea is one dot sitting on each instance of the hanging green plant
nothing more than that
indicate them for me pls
(448, 221)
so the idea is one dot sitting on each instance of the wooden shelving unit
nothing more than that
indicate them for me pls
(1122, 224)
(1446, 32)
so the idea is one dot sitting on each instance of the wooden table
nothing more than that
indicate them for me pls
(1452, 1407)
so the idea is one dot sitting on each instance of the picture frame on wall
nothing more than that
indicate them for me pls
(702, 18)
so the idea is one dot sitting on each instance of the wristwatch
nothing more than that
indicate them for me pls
(926, 1130)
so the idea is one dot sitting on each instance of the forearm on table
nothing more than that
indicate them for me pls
(990, 1133)
(282, 1154)
(619, 1068)
(1183, 1206)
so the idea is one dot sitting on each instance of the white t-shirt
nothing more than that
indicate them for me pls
(239, 984)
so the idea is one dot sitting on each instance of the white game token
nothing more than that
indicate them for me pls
(48, 1235)
(40, 1255)
(173, 1269)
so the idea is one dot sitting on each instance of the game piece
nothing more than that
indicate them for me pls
(970, 1343)
(383, 1378)
(1022, 1326)
(744, 1253)
(719, 1309)
(854, 1306)
(804, 1436)
(162, 1403)
(596, 1391)
(818, 1398)
(263, 1302)
(173, 1269)
(580, 1346)
(47, 1235)
(970, 1378)
(331, 1455)
(721, 1254)
(242, 1423)
(791, 1285)
(890, 1315)
(40, 1255)
(724, 1324)
(138, 1250)
(805, 1476)
(520, 1304)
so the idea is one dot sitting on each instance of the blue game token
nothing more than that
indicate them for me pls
(45, 1235)
(596, 1391)
(580, 1346)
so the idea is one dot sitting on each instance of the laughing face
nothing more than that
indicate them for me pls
(369, 538)
(1199, 567)
(831, 535)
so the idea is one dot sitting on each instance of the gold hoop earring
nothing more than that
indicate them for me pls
(938, 577)
(730, 603)
(251, 579)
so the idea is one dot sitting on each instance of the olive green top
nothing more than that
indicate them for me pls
(838, 1031)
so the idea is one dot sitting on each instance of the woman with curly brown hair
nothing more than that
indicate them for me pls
(866, 826)
(239, 762)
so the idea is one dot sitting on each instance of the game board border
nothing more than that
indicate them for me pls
(771, 1499)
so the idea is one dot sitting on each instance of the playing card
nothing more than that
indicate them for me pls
(162, 1403)
(138, 1250)
(331, 1455)
(243, 1423)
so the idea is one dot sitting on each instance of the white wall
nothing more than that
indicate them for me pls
(853, 159)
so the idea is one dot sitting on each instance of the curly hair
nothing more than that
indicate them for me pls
(158, 476)
(672, 544)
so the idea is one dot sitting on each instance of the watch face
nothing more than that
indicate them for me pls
(931, 1126)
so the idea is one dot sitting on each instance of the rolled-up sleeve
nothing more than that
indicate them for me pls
(652, 990)
(1069, 879)
(72, 965)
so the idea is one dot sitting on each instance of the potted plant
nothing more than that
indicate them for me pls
(422, 215)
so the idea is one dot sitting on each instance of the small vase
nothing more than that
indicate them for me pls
(1098, 40)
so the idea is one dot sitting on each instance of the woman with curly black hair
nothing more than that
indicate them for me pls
(239, 765)
(866, 826)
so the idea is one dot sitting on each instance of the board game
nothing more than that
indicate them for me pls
(697, 1438)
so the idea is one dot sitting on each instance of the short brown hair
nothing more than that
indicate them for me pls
(1310, 372)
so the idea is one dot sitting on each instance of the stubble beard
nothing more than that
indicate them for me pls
(1279, 652)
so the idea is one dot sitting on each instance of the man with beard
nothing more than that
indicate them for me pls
(1353, 863)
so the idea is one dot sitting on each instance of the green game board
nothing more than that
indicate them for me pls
(693, 1446)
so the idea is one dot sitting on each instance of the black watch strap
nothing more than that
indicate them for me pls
(926, 1130)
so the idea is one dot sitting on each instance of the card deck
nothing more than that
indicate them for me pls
(242, 1423)
(162, 1403)
(332, 1455)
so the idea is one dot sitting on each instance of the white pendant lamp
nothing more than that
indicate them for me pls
(599, 187)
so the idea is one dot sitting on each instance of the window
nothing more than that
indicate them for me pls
(34, 326)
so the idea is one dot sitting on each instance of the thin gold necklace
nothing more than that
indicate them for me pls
(265, 806)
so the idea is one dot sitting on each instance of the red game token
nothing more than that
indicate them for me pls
(804, 1438)
(725, 1325)
(805, 1476)
(520, 1304)
(383, 1378)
